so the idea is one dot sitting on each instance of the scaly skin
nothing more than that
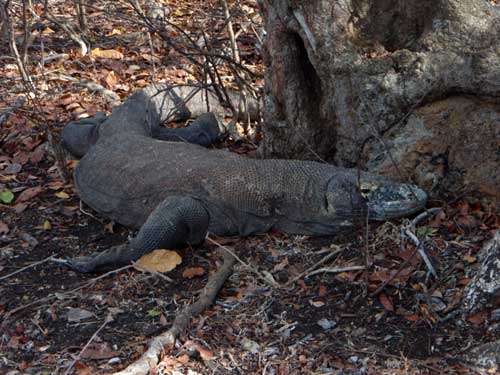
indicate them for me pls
(175, 192)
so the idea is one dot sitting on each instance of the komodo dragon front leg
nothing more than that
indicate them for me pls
(175, 222)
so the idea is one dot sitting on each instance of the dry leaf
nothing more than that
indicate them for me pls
(189, 273)
(47, 225)
(478, 319)
(316, 303)
(106, 53)
(160, 260)
(99, 350)
(62, 195)
(386, 302)
(282, 265)
(111, 80)
(4, 228)
(28, 194)
(205, 354)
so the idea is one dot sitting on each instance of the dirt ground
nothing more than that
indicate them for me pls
(320, 313)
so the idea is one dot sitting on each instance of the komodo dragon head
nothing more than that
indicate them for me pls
(383, 199)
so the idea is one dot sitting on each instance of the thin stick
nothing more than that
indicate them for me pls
(421, 251)
(267, 280)
(26, 268)
(109, 318)
(152, 272)
(425, 215)
(313, 267)
(49, 298)
(150, 358)
(336, 270)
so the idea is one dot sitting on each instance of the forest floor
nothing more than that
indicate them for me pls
(320, 314)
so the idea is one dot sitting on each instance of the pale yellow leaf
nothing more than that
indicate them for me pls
(47, 225)
(160, 260)
(62, 195)
(107, 53)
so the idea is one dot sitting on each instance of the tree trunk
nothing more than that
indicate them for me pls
(343, 74)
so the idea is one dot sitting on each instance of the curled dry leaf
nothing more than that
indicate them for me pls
(189, 273)
(106, 53)
(160, 260)
(205, 354)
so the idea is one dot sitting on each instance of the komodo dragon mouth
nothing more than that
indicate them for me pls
(390, 200)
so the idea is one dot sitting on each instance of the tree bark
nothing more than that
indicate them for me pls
(341, 73)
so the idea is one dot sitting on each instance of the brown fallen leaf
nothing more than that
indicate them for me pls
(28, 194)
(282, 265)
(386, 302)
(189, 273)
(112, 80)
(478, 319)
(205, 354)
(160, 260)
(37, 155)
(106, 53)
(4, 228)
(99, 350)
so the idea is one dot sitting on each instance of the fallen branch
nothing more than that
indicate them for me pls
(151, 357)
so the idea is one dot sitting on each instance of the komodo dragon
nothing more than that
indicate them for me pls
(175, 192)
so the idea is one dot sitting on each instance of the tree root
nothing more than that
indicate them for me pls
(151, 357)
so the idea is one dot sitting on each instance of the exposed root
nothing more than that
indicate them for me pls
(151, 357)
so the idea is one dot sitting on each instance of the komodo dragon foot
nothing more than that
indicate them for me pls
(177, 221)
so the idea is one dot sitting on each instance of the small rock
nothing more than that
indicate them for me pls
(77, 314)
(251, 346)
(326, 324)
(114, 361)
(353, 359)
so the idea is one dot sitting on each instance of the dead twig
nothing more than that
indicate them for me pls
(49, 298)
(268, 280)
(336, 270)
(109, 318)
(152, 272)
(151, 357)
(48, 259)
(307, 272)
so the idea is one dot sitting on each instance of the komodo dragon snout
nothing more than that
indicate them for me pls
(349, 195)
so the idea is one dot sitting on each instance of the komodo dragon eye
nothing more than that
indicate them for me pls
(366, 190)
